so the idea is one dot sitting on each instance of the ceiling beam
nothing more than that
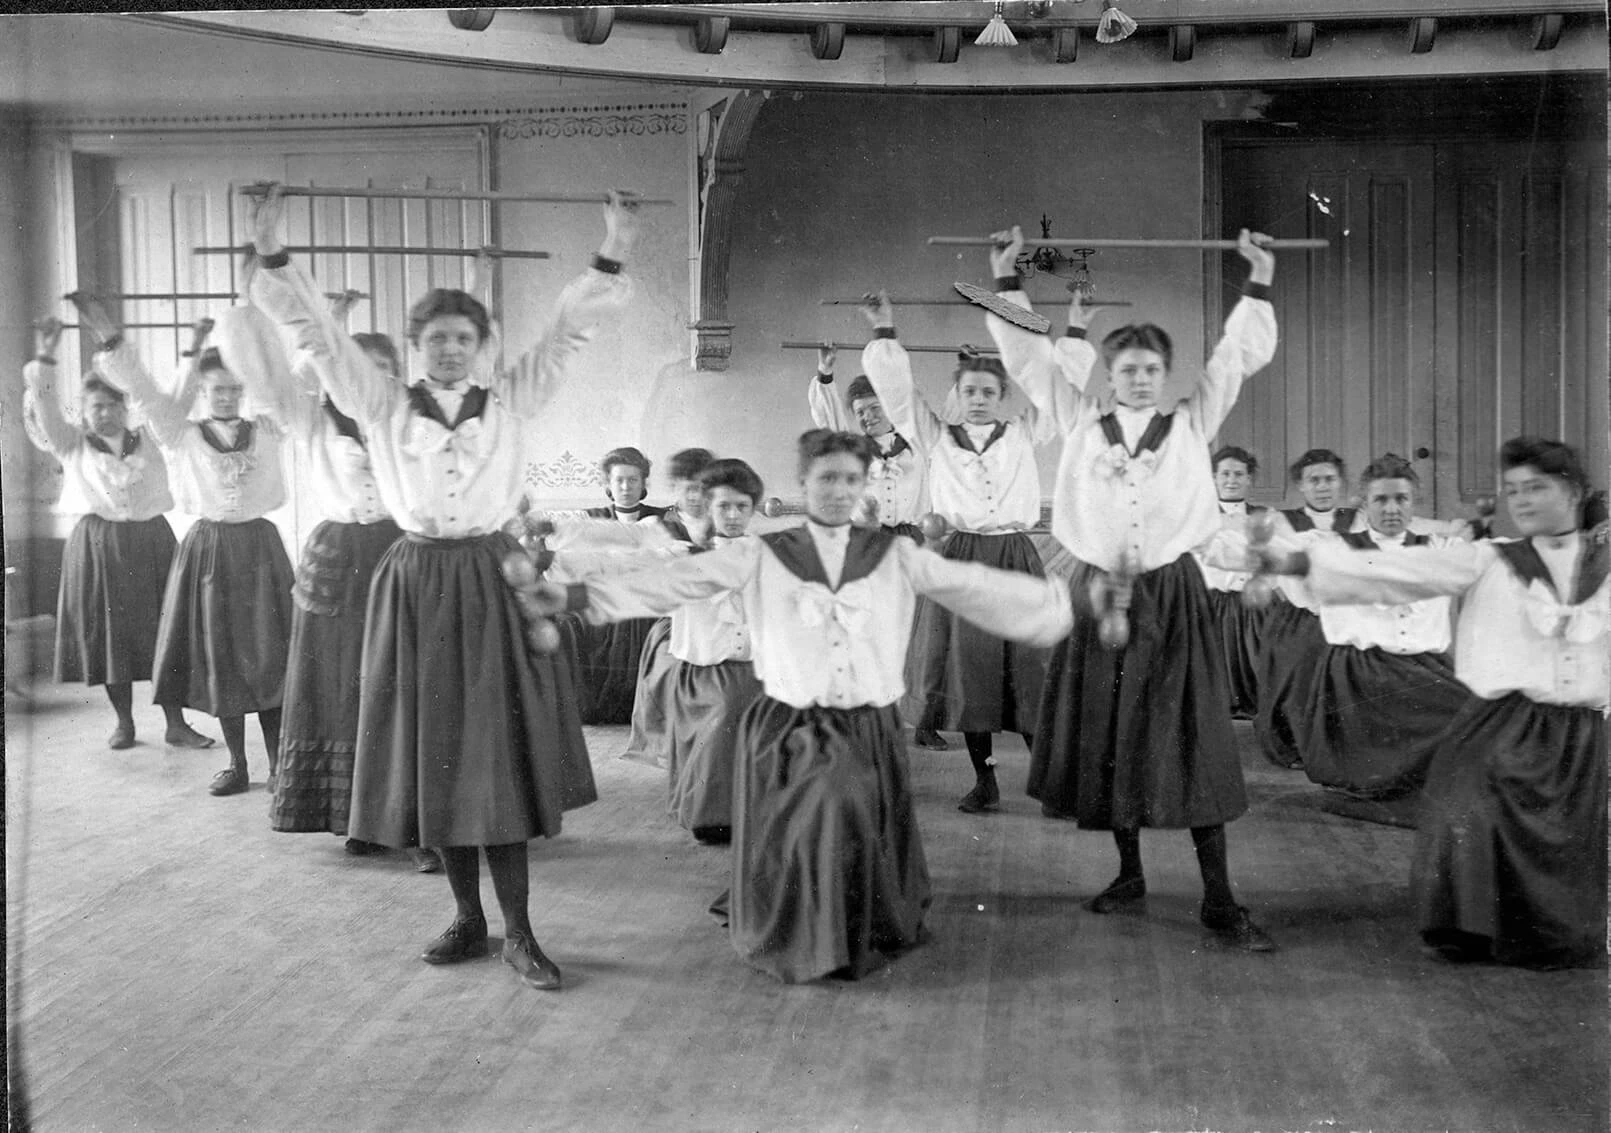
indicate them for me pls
(534, 40)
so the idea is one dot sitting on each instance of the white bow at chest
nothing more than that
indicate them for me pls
(1115, 462)
(850, 607)
(426, 437)
(1580, 624)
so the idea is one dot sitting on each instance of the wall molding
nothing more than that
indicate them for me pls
(571, 119)
(630, 121)
(566, 471)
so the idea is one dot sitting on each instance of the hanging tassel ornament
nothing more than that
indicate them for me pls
(1114, 25)
(996, 33)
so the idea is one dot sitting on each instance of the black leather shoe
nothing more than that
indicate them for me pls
(986, 795)
(230, 781)
(1121, 894)
(713, 835)
(930, 740)
(1047, 810)
(521, 953)
(425, 860)
(121, 738)
(463, 940)
(1234, 928)
(358, 848)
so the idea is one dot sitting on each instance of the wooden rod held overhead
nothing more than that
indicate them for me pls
(914, 301)
(797, 345)
(1303, 245)
(261, 188)
(131, 326)
(379, 250)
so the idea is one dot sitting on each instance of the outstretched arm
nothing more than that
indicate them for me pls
(1339, 575)
(1017, 606)
(655, 590)
(526, 386)
(1248, 343)
(889, 368)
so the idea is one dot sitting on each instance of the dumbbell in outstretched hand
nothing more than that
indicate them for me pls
(521, 575)
(1260, 589)
(1115, 589)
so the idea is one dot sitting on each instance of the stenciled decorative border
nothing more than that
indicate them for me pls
(609, 120)
(594, 125)
(567, 471)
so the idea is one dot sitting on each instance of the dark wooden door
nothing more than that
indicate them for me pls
(1462, 301)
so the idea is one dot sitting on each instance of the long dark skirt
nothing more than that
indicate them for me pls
(657, 670)
(319, 731)
(109, 605)
(1240, 630)
(961, 678)
(226, 620)
(609, 659)
(1512, 844)
(1374, 718)
(1288, 663)
(1140, 736)
(707, 702)
(828, 867)
(466, 735)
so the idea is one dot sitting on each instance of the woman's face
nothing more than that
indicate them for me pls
(626, 485)
(221, 391)
(730, 511)
(1321, 486)
(1540, 504)
(448, 345)
(1231, 479)
(1390, 504)
(690, 497)
(105, 415)
(979, 394)
(832, 485)
(1138, 377)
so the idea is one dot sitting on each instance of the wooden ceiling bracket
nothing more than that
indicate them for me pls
(1423, 31)
(1300, 39)
(1547, 31)
(710, 34)
(1182, 42)
(593, 24)
(827, 41)
(471, 19)
(1065, 44)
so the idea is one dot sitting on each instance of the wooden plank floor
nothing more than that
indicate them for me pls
(185, 968)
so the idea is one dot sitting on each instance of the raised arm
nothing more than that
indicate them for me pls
(526, 386)
(166, 413)
(823, 396)
(44, 417)
(889, 368)
(287, 294)
(1053, 373)
(1017, 606)
(1247, 344)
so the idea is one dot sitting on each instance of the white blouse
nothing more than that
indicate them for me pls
(1513, 635)
(1109, 499)
(899, 482)
(989, 486)
(233, 486)
(337, 463)
(98, 478)
(445, 481)
(838, 647)
(1393, 627)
